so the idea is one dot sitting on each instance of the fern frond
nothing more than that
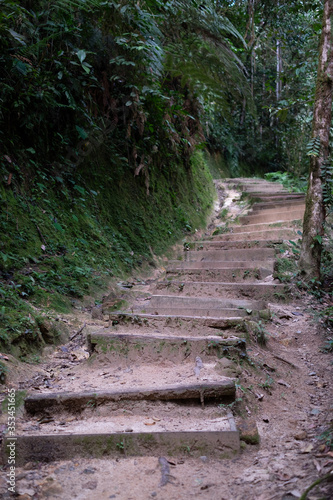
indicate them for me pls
(313, 147)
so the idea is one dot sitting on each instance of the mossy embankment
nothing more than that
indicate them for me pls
(66, 235)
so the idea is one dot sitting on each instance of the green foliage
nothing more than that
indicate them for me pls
(290, 181)
(327, 178)
(313, 147)
(58, 249)
(268, 384)
(258, 332)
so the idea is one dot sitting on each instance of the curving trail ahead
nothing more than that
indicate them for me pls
(150, 412)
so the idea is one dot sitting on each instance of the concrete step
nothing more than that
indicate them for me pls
(200, 313)
(265, 189)
(279, 233)
(178, 325)
(274, 216)
(280, 210)
(236, 254)
(124, 348)
(267, 205)
(272, 292)
(219, 264)
(213, 245)
(232, 275)
(204, 431)
(202, 306)
(266, 226)
(202, 303)
(79, 402)
(276, 196)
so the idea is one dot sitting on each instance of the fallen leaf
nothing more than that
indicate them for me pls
(283, 476)
(317, 465)
(282, 382)
(295, 493)
(149, 423)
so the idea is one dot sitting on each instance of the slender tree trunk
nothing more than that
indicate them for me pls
(278, 70)
(314, 217)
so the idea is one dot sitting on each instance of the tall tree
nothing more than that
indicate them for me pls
(314, 216)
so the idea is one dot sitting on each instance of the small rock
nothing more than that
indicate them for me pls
(300, 436)
(90, 485)
(153, 494)
(249, 431)
(265, 314)
(24, 490)
(50, 488)
(204, 459)
(315, 411)
(312, 374)
(88, 471)
(265, 419)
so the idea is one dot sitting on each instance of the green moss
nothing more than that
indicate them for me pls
(67, 237)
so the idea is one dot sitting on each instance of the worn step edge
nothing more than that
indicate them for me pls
(49, 448)
(256, 235)
(94, 338)
(282, 217)
(77, 402)
(227, 245)
(241, 289)
(263, 226)
(230, 255)
(225, 312)
(152, 348)
(219, 265)
(204, 302)
(258, 207)
(174, 320)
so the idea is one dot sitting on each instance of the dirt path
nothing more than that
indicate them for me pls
(165, 339)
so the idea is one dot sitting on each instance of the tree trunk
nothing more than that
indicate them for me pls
(314, 217)
(278, 71)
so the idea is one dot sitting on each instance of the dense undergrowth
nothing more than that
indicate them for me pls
(100, 132)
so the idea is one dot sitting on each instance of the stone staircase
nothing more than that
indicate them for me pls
(163, 389)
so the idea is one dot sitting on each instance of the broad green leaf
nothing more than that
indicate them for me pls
(82, 133)
(58, 226)
(81, 54)
(19, 38)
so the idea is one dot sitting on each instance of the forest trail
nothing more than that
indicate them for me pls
(176, 384)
